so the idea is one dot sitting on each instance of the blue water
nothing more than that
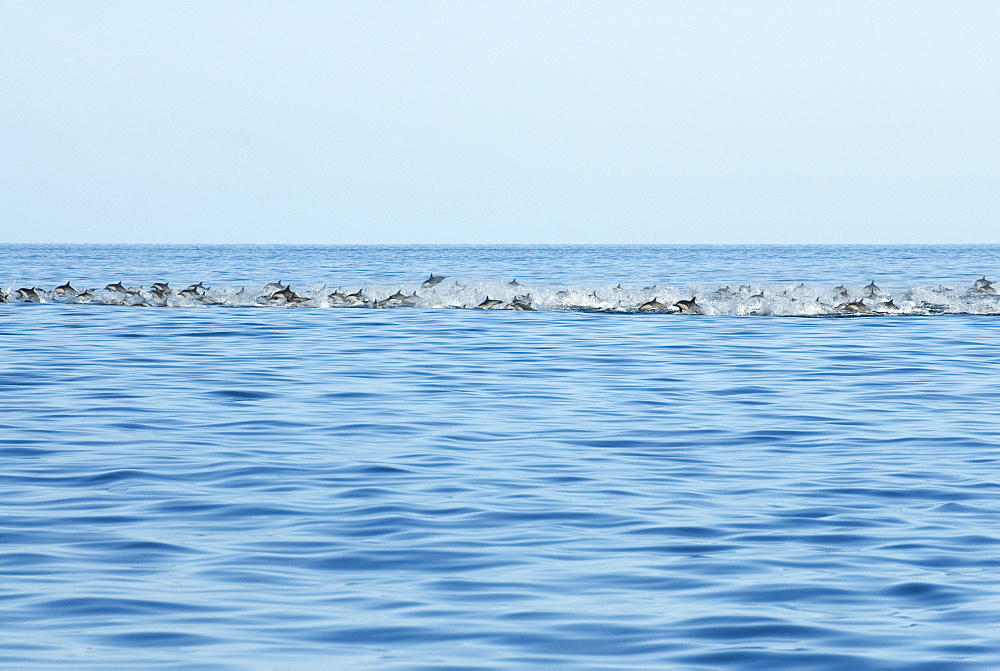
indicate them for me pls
(240, 486)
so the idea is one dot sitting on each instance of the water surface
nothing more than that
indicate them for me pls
(233, 487)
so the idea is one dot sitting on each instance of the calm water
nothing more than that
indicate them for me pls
(246, 485)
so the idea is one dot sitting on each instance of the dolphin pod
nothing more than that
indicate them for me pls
(787, 299)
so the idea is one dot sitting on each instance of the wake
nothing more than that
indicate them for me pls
(777, 299)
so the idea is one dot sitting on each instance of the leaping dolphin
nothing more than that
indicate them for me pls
(689, 306)
(654, 304)
(285, 293)
(488, 303)
(432, 280)
(29, 294)
(117, 286)
(520, 303)
(65, 290)
(982, 286)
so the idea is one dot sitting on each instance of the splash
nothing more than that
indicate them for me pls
(778, 299)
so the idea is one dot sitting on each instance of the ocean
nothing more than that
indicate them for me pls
(235, 478)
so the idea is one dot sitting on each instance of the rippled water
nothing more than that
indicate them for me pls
(232, 487)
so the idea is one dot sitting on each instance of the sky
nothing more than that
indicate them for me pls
(499, 122)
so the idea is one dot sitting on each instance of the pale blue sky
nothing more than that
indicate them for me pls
(520, 122)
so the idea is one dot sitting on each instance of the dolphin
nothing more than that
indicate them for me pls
(980, 290)
(198, 287)
(117, 286)
(654, 304)
(689, 306)
(285, 293)
(488, 303)
(356, 297)
(854, 306)
(205, 299)
(274, 286)
(86, 295)
(520, 303)
(514, 283)
(397, 298)
(888, 305)
(337, 296)
(161, 286)
(189, 293)
(432, 280)
(65, 290)
(519, 306)
(3, 297)
(841, 291)
(725, 291)
(29, 294)
(982, 286)
(159, 293)
(871, 288)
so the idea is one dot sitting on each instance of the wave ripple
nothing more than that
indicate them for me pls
(434, 489)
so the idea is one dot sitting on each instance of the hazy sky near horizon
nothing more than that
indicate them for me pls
(502, 122)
